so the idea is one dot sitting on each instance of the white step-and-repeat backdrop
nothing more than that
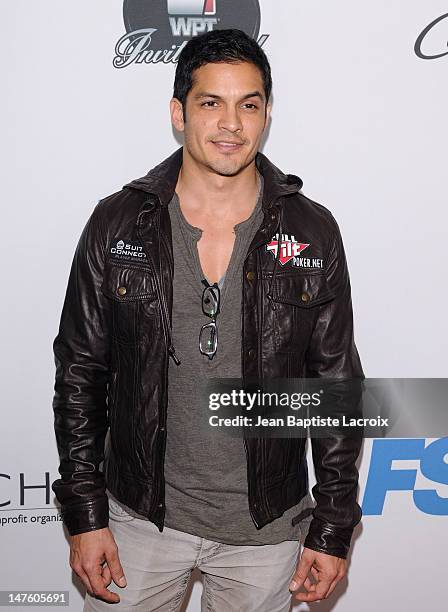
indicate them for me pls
(360, 113)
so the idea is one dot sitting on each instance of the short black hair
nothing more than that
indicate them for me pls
(219, 46)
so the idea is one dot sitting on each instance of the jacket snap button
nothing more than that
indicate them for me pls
(250, 276)
(121, 290)
(305, 297)
(160, 505)
(251, 353)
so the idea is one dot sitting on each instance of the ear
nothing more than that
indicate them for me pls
(177, 114)
(268, 114)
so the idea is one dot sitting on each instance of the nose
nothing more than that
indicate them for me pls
(230, 120)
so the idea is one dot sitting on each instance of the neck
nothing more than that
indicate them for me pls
(200, 188)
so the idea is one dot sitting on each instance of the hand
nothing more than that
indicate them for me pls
(94, 558)
(326, 570)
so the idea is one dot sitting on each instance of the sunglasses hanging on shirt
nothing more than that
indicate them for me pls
(208, 336)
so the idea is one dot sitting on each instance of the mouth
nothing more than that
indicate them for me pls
(227, 146)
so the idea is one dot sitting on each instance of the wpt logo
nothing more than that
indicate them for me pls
(158, 30)
(383, 478)
(197, 22)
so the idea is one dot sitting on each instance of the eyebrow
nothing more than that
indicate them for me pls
(204, 94)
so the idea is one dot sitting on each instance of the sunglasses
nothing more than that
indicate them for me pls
(208, 336)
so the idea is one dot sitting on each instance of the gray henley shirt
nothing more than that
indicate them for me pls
(206, 480)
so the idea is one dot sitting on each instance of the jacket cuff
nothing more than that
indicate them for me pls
(328, 538)
(87, 516)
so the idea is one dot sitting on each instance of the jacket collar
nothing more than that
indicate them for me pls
(162, 179)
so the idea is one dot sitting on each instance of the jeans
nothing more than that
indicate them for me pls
(158, 566)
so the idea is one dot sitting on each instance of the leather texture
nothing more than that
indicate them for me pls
(114, 342)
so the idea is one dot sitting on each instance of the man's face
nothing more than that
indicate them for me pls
(226, 115)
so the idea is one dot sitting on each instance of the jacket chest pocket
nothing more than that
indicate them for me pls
(134, 302)
(295, 301)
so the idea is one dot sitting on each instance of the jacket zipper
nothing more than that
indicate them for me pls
(249, 487)
(258, 367)
(260, 376)
(169, 351)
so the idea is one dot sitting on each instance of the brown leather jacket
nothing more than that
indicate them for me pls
(114, 343)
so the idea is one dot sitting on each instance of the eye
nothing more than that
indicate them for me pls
(208, 103)
(254, 106)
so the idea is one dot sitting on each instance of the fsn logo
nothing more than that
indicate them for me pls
(195, 18)
(383, 478)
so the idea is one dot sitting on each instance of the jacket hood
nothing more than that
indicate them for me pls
(162, 179)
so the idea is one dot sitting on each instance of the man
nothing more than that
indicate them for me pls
(207, 245)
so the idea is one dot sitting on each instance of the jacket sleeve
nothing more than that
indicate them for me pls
(82, 354)
(332, 353)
